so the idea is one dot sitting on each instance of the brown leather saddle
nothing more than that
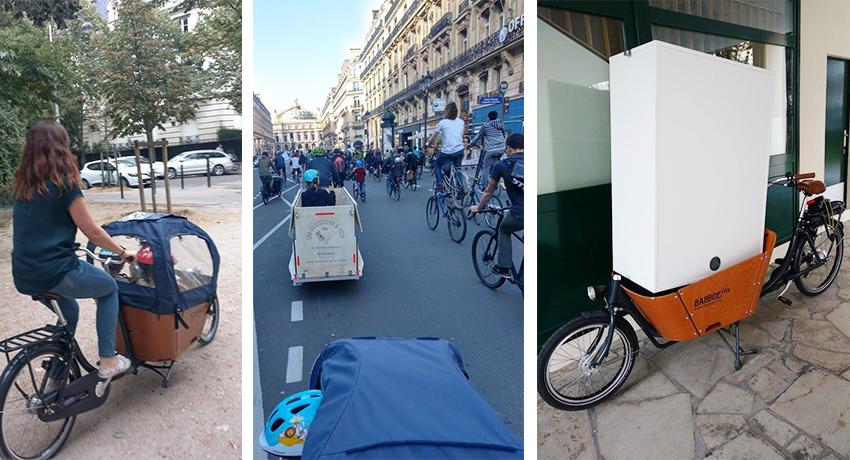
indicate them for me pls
(811, 187)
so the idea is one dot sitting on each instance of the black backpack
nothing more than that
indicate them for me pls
(516, 171)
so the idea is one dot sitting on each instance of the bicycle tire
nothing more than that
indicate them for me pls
(456, 223)
(490, 218)
(580, 328)
(8, 382)
(802, 244)
(432, 213)
(363, 196)
(405, 183)
(214, 313)
(484, 247)
(397, 192)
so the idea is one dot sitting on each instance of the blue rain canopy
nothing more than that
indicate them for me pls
(177, 266)
(358, 143)
(401, 399)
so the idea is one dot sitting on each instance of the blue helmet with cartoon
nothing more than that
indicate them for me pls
(289, 423)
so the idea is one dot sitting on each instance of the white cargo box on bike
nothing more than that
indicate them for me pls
(325, 246)
(690, 146)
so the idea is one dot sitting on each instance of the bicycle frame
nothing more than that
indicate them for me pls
(514, 279)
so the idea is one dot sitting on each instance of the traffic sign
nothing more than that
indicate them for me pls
(503, 87)
(489, 100)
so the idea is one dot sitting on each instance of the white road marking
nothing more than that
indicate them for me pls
(267, 235)
(294, 364)
(297, 311)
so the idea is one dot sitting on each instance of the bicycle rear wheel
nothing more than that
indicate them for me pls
(397, 192)
(492, 219)
(432, 212)
(565, 377)
(484, 247)
(405, 183)
(829, 247)
(457, 225)
(22, 434)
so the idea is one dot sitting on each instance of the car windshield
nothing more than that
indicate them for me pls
(127, 163)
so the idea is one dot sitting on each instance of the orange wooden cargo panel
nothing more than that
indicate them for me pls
(158, 338)
(703, 307)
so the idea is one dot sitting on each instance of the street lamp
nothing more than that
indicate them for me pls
(424, 86)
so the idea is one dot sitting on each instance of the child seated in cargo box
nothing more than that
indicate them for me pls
(313, 195)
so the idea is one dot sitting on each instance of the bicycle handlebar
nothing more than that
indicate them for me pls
(105, 261)
(804, 176)
(789, 178)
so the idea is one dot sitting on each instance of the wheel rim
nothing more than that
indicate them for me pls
(569, 377)
(485, 259)
(218, 170)
(827, 248)
(172, 174)
(24, 435)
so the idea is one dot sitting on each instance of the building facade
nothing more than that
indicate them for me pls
(469, 48)
(210, 116)
(296, 128)
(342, 112)
(263, 131)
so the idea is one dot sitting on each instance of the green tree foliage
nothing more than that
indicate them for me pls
(145, 73)
(14, 132)
(40, 12)
(227, 134)
(217, 41)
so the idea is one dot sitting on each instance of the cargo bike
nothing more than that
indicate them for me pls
(167, 301)
(588, 359)
(325, 246)
(388, 398)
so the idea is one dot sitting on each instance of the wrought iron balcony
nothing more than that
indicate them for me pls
(399, 26)
(409, 53)
(481, 49)
(440, 25)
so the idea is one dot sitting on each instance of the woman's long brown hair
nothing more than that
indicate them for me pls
(451, 111)
(47, 156)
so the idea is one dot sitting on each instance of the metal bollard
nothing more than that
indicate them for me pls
(208, 172)
(181, 177)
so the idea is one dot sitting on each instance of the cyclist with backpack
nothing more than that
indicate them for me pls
(328, 176)
(339, 167)
(512, 170)
(493, 135)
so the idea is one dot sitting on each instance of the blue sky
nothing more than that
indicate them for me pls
(299, 46)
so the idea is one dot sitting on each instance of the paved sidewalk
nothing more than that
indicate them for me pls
(791, 400)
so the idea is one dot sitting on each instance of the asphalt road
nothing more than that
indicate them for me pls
(416, 283)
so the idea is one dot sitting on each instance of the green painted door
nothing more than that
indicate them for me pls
(835, 165)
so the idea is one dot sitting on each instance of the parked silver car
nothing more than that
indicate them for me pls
(195, 162)
(91, 173)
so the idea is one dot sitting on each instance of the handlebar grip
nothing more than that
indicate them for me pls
(804, 176)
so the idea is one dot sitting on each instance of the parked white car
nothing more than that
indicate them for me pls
(158, 166)
(195, 162)
(91, 173)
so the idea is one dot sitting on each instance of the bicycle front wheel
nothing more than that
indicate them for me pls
(432, 213)
(829, 247)
(22, 434)
(210, 323)
(457, 225)
(484, 247)
(565, 377)
(405, 183)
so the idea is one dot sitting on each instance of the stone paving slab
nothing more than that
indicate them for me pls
(791, 400)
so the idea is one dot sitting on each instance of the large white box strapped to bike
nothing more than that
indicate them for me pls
(690, 136)
(325, 246)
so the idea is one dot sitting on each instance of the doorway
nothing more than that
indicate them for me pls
(835, 141)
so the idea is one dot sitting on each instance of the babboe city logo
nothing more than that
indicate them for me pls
(710, 298)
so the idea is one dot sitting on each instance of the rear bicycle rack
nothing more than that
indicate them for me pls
(30, 338)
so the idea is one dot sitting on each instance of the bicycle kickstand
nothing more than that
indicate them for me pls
(737, 351)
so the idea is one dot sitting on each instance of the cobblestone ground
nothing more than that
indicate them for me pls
(791, 400)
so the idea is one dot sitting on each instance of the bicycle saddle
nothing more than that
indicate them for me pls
(811, 187)
(45, 296)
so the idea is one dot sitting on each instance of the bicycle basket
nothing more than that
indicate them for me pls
(167, 292)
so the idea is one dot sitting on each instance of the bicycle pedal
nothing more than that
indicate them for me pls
(784, 300)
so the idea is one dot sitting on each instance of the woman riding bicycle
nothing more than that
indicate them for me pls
(451, 127)
(48, 209)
